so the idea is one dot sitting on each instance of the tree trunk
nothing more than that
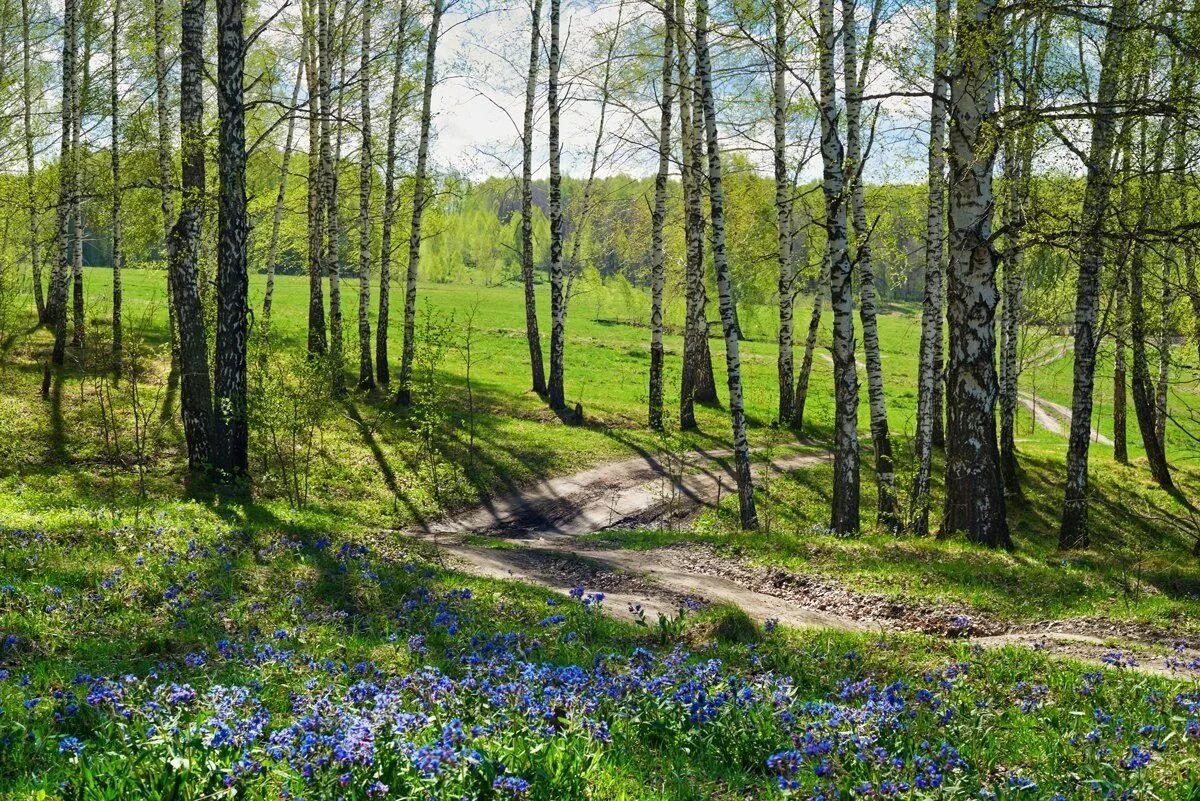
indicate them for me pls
(1009, 331)
(783, 206)
(331, 168)
(404, 395)
(317, 339)
(885, 471)
(558, 300)
(1143, 386)
(1120, 413)
(232, 429)
(810, 347)
(939, 361)
(166, 170)
(741, 448)
(366, 370)
(1170, 254)
(974, 491)
(929, 408)
(67, 188)
(1018, 168)
(35, 262)
(82, 92)
(658, 218)
(1193, 280)
(844, 517)
(184, 244)
(531, 322)
(277, 216)
(1184, 212)
(1097, 201)
(697, 383)
(382, 372)
(117, 255)
(1166, 300)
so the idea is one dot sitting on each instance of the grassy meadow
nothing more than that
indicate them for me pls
(372, 467)
(165, 640)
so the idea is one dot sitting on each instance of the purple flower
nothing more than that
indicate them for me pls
(70, 745)
(512, 786)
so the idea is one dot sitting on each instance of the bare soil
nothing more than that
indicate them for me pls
(541, 529)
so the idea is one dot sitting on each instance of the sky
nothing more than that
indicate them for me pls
(479, 102)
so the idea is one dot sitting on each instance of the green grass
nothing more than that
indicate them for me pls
(302, 625)
(375, 468)
(198, 566)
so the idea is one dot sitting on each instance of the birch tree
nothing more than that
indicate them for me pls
(1120, 386)
(66, 185)
(697, 383)
(532, 336)
(783, 207)
(658, 219)
(404, 395)
(331, 162)
(35, 261)
(810, 343)
(395, 104)
(183, 245)
(932, 315)
(844, 518)
(854, 80)
(1073, 531)
(584, 207)
(118, 255)
(312, 13)
(82, 91)
(741, 448)
(366, 167)
(1142, 383)
(280, 195)
(558, 300)
(1023, 81)
(232, 429)
(974, 491)
(166, 170)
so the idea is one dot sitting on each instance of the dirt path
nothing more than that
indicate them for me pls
(1054, 417)
(539, 540)
(1064, 414)
(643, 490)
(1041, 414)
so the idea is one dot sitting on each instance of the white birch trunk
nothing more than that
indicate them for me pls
(658, 218)
(532, 335)
(844, 517)
(366, 370)
(558, 301)
(885, 472)
(403, 395)
(974, 491)
(382, 370)
(930, 356)
(741, 448)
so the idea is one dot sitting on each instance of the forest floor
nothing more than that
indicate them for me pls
(540, 535)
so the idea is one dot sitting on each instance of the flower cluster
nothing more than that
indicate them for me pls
(369, 677)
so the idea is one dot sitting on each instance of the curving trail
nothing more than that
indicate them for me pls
(539, 537)
(643, 490)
